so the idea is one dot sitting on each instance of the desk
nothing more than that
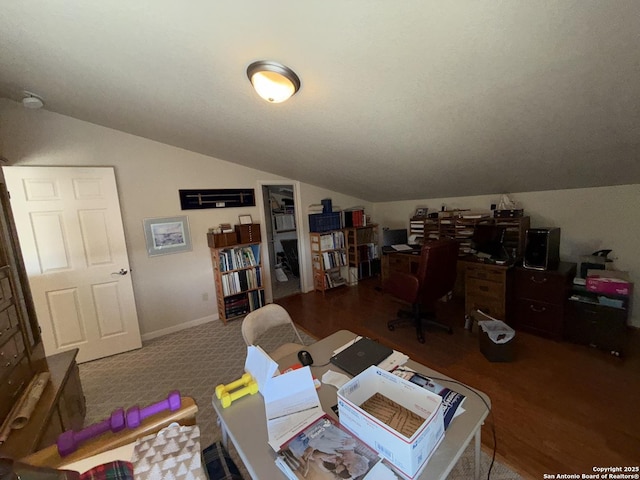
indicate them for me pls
(483, 286)
(244, 422)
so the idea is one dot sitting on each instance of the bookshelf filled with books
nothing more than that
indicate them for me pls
(237, 273)
(328, 259)
(362, 252)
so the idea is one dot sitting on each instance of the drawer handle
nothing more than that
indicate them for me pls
(482, 275)
(535, 280)
(533, 308)
(8, 364)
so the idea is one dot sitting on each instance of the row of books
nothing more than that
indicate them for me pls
(333, 279)
(355, 218)
(331, 241)
(241, 257)
(236, 282)
(243, 303)
(334, 259)
(367, 252)
(235, 306)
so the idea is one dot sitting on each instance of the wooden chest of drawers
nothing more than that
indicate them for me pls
(541, 299)
(15, 369)
(487, 288)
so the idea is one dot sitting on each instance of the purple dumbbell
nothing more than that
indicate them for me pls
(69, 441)
(135, 415)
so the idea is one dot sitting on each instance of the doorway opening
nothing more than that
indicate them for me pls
(282, 239)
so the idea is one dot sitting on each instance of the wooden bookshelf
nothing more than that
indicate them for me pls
(237, 273)
(362, 252)
(328, 259)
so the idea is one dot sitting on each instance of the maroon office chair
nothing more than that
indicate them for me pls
(434, 279)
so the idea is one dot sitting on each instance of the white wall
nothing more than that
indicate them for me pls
(169, 289)
(590, 219)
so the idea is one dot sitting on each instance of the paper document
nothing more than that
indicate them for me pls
(401, 247)
(291, 403)
(260, 365)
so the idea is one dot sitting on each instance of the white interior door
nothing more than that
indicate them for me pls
(72, 240)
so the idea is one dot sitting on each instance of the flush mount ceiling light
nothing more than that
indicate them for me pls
(31, 101)
(273, 81)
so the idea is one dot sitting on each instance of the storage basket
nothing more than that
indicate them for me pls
(324, 222)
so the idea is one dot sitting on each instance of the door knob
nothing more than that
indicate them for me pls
(121, 272)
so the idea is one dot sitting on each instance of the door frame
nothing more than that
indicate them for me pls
(302, 252)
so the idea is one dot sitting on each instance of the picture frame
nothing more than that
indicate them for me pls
(167, 235)
(245, 219)
(420, 212)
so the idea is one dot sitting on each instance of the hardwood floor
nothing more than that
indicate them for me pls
(558, 407)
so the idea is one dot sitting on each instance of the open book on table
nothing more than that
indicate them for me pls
(324, 450)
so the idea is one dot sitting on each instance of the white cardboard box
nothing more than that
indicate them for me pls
(408, 454)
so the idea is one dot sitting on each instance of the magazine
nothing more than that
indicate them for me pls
(451, 400)
(324, 450)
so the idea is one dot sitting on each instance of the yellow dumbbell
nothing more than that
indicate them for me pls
(227, 397)
(244, 380)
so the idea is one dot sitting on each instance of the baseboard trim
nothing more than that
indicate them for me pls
(177, 328)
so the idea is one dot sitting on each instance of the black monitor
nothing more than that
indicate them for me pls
(394, 237)
(488, 239)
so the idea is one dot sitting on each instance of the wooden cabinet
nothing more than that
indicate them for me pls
(541, 298)
(61, 407)
(62, 404)
(362, 252)
(328, 259)
(237, 274)
(590, 321)
(487, 288)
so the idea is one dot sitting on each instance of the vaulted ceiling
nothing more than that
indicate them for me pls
(400, 100)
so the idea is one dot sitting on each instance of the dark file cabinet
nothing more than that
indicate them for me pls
(592, 323)
(541, 299)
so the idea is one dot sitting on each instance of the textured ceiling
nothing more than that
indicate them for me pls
(399, 100)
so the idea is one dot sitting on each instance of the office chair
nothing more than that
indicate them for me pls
(435, 278)
(258, 322)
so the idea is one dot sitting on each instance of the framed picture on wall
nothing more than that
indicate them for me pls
(167, 235)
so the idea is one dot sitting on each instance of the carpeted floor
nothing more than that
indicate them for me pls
(194, 361)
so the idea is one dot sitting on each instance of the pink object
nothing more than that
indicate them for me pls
(609, 283)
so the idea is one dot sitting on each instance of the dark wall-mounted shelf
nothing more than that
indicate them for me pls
(217, 198)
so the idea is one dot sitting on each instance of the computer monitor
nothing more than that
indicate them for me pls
(488, 239)
(397, 236)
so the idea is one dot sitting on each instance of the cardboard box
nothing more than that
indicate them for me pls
(407, 454)
(609, 282)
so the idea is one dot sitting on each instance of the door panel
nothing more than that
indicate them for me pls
(70, 229)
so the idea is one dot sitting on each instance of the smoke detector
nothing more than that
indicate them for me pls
(32, 101)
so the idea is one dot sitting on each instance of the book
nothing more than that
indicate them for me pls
(451, 400)
(325, 450)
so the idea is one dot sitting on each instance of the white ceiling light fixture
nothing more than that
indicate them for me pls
(273, 81)
(32, 101)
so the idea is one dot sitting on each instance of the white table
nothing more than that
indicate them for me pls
(244, 422)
